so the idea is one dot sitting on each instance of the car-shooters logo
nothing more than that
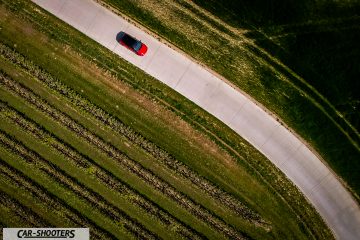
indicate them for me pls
(45, 233)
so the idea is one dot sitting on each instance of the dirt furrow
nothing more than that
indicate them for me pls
(101, 174)
(28, 185)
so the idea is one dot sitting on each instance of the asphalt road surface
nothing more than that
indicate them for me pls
(314, 179)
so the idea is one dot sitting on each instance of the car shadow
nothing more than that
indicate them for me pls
(119, 36)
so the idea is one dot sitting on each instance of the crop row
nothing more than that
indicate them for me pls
(25, 214)
(103, 175)
(120, 157)
(117, 125)
(26, 184)
(72, 184)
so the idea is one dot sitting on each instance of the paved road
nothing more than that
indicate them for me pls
(319, 185)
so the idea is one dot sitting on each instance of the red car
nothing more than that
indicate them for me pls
(132, 43)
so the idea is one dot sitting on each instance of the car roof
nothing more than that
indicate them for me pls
(129, 40)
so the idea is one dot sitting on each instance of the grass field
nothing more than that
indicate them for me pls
(86, 139)
(296, 58)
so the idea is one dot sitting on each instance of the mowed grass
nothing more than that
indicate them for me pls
(291, 64)
(108, 135)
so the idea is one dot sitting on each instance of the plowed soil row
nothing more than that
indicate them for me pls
(101, 174)
(72, 184)
(41, 194)
(127, 163)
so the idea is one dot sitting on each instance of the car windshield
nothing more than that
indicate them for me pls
(131, 42)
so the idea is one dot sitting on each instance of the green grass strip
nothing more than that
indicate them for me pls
(52, 217)
(83, 178)
(104, 161)
(60, 192)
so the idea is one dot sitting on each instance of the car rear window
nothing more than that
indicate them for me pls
(137, 46)
(131, 42)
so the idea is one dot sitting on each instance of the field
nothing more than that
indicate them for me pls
(86, 139)
(296, 58)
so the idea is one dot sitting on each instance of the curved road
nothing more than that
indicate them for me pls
(314, 179)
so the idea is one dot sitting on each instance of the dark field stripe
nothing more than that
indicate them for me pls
(103, 175)
(50, 199)
(71, 183)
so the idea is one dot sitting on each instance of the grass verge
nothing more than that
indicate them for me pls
(247, 61)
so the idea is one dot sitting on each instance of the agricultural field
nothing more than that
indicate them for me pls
(298, 59)
(87, 139)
